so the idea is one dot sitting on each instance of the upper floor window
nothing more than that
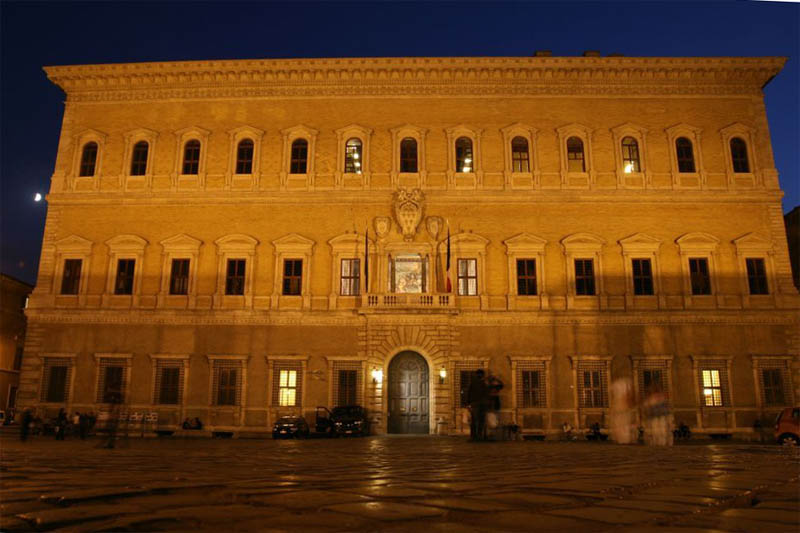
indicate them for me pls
(350, 277)
(179, 277)
(699, 275)
(299, 161)
(739, 156)
(630, 155)
(520, 156)
(576, 161)
(757, 276)
(526, 277)
(139, 158)
(292, 277)
(191, 157)
(408, 155)
(352, 156)
(685, 153)
(234, 277)
(124, 280)
(244, 157)
(88, 159)
(71, 278)
(467, 277)
(642, 277)
(584, 277)
(464, 155)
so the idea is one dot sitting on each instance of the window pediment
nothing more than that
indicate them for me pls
(300, 130)
(582, 242)
(126, 243)
(628, 127)
(91, 135)
(192, 130)
(236, 243)
(574, 129)
(695, 242)
(293, 243)
(466, 242)
(519, 127)
(354, 129)
(141, 134)
(181, 243)
(753, 243)
(737, 128)
(409, 130)
(463, 129)
(74, 244)
(525, 242)
(682, 129)
(350, 242)
(245, 131)
(639, 242)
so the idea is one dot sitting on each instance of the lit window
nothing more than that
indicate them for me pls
(88, 159)
(287, 393)
(299, 162)
(520, 157)
(630, 155)
(685, 153)
(464, 161)
(739, 156)
(408, 155)
(575, 157)
(352, 156)
(139, 159)
(244, 157)
(712, 389)
(191, 157)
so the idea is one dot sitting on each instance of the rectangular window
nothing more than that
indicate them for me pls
(227, 381)
(526, 277)
(234, 277)
(773, 386)
(467, 277)
(653, 380)
(532, 388)
(169, 385)
(292, 277)
(287, 392)
(347, 392)
(124, 281)
(179, 277)
(18, 357)
(698, 273)
(592, 389)
(464, 379)
(712, 388)
(12, 397)
(299, 162)
(56, 381)
(71, 278)
(520, 161)
(113, 383)
(642, 277)
(350, 277)
(584, 277)
(757, 276)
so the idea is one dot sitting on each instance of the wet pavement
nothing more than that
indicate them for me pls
(395, 484)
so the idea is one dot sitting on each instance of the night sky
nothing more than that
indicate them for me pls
(38, 34)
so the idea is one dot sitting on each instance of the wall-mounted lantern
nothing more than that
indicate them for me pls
(377, 376)
(442, 375)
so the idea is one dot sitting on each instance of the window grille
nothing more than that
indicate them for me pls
(408, 155)
(642, 277)
(139, 159)
(467, 277)
(124, 281)
(592, 384)
(56, 373)
(292, 277)
(464, 162)
(299, 161)
(520, 157)
(584, 277)
(714, 384)
(350, 277)
(526, 277)
(739, 155)
(112, 380)
(71, 277)
(775, 382)
(653, 377)
(699, 276)
(244, 157)
(576, 161)
(168, 388)
(191, 157)
(179, 277)
(462, 375)
(234, 277)
(287, 384)
(352, 156)
(227, 382)
(88, 159)
(685, 153)
(348, 383)
(757, 276)
(531, 384)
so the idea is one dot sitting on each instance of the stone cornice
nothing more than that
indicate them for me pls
(416, 76)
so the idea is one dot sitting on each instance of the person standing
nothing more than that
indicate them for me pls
(61, 424)
(478, 396)
(83, 425)
(25, 427)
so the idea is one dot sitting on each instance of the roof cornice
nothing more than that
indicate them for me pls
(421, 76)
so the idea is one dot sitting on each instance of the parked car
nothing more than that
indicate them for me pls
(289, 427)
(787, 426)
(342, 421)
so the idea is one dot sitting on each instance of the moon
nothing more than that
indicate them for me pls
(37, 197)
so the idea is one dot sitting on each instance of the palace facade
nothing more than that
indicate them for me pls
(237, 240)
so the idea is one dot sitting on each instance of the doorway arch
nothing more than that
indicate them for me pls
(409, 394)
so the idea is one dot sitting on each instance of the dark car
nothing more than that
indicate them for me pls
(288, 427)
(343, 421)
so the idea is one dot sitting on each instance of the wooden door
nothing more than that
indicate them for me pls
(408, 394)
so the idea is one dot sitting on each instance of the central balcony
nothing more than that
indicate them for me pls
(408, 301)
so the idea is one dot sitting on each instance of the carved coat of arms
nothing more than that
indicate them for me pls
(408, 210)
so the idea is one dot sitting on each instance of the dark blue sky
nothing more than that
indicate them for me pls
(38, 34)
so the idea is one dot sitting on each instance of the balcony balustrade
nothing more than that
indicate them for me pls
(409, 301)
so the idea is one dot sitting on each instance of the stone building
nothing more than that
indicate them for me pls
(14, 297)
(236, 240)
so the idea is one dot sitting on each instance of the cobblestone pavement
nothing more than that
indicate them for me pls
(395, 484)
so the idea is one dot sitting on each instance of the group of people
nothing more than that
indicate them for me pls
(483, 399)
(80, 424)
(196, 423)
(656, 427)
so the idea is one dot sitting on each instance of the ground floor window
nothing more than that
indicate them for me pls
(169, 382)
(593, 385)
(287, 384)
(55, 380)
(531, 384)
(111, 380)
(227, 382)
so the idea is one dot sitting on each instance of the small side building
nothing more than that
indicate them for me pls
(792, 221)
(12, 337)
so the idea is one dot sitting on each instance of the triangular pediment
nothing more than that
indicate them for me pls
(74, 243)
(697, 238)
(355, 128)
(583, 238)
(628, 127)
(236, 241)
(181, 242)
(141, 133)
(682, 128)
(126, 242)
(293, 241)
(574, 129)
(640, 242)
(468, 238)
(301, 130)
(518, 127)
(91, 134)
(733, 129)
(751, 241)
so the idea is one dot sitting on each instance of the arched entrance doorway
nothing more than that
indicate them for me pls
(408, 394)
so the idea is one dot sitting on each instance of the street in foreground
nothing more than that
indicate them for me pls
(396, 484)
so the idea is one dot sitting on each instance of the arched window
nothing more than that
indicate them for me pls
(630, 155)
(408, 155)
(683, 149)
(191, 157)
(352, 156)
(575, 158)
(739, 155)
(520, 157)
(464, 155)
(139, 158)
(244, 157)
(88, 159)
(299, 162)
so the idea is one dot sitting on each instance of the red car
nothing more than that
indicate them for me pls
(787, 426)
